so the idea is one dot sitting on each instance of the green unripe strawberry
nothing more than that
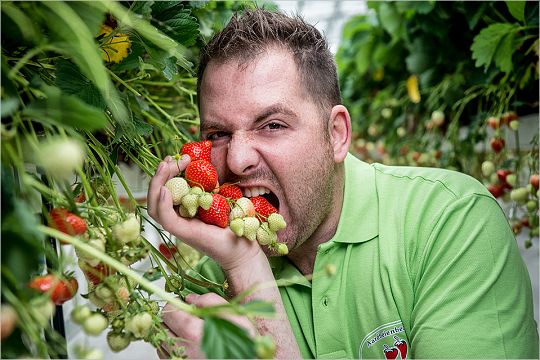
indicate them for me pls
(95, 324)
(488, 168)
(103, 292)
(237, 226)
(87, 257)
(532, 205)
(282, 249)
(191, 203)
(80, 313)
(251, 225)
(514, 125)
(118, 341)
(196, 190)
(205, 200)
(265, 236)
(127, 231)
(511, 179)
(178, 187)
(183, 212)
(519, 195)
(140, 324)
(276, 222)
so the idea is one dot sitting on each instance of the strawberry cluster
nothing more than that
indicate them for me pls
(198, 194)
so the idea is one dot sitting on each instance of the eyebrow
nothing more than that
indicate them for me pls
(269, 111)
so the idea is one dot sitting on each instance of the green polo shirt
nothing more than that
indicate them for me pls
(426, 266)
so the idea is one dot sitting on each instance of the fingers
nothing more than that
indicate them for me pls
(213, 299)
(166, 170)
(184, 325)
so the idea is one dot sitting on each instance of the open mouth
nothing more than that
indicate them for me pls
(250, 192)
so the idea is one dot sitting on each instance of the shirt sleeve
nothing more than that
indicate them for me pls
(473, 296)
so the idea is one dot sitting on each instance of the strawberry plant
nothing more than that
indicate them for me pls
(452, 85)
(88, 86)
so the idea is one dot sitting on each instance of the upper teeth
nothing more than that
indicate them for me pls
(255, 191)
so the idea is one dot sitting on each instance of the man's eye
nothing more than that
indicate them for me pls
(216, 135)
(274, 126)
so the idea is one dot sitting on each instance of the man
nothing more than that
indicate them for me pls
(425, 261)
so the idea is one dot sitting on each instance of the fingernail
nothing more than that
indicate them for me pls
(185, 157)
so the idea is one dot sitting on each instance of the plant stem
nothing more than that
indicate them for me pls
(121, 268)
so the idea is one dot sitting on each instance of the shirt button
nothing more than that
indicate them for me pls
(324, 301)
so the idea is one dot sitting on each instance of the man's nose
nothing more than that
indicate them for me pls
(242, 156)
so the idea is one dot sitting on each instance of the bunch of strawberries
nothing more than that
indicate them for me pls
(198, 194)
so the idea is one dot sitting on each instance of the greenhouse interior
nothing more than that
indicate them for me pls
(168, 191)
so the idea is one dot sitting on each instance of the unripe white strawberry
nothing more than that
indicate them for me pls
(95, 324)
(60, 157)
(251, 225)
(437, 117)
(488, 168)
(191, 203)
(87, 257)
(237, 226)
(205, 200)
(103, 292)
(182, 211)
(196, 190)
(282, 249)
(276, 222)
(139, 325)
(118, 341)
(243, 207)
(80, 313)
(265, 236)
(127, 231)
(178, 187)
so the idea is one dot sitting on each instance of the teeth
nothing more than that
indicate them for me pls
(255, 191)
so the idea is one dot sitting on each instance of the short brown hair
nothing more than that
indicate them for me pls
(254, 31)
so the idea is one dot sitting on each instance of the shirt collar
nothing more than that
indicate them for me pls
(359, 219)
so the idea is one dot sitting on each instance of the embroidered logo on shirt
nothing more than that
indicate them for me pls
(384, 340)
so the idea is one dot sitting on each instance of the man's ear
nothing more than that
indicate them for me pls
(339, 128)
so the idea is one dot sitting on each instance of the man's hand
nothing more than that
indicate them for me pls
(220, 244)
(189, 328)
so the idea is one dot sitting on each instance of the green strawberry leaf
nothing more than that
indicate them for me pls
(224, 340)
(258, 307)
(517, 9)
(495, 44)
(72, 82)
(69, 110)
(175, 21)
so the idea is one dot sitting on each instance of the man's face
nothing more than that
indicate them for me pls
(269, 136)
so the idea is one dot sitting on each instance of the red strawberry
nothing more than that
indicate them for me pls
(95, 274)
(230, 191)
(198, 150)
(203, 174)
(218, 214)
(63, 220)
(167, 251)
(497, 144)
(534, 180)
(262, 207)
(496, 190)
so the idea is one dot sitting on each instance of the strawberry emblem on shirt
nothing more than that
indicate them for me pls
(401, 345)
(390, 353)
